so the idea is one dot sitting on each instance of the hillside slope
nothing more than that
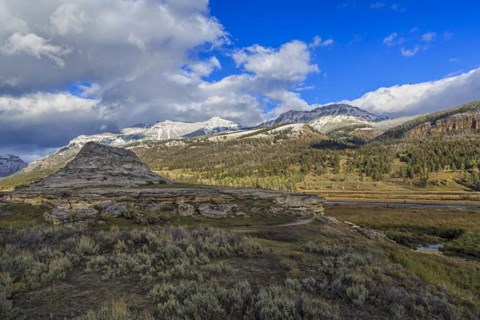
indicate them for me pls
(461, 119)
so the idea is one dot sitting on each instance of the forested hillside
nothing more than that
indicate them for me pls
(292, 164)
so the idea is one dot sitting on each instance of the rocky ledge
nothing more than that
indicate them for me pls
(458, 123)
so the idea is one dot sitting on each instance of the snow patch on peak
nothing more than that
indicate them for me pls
(165, 130)
(329, 112)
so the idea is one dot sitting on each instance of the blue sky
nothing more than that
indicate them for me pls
(359, 61)
(69, 68)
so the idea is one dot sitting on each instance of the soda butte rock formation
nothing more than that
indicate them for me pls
(104, 181)
(97, 165)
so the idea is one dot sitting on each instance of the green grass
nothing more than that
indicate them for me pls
(459, 277)
(468, 245)
(21, 215)
(457, 229)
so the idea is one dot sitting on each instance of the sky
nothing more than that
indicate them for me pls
(86, 66)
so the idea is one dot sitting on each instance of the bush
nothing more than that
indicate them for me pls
(117, 311)
(357, 294)
(86, 246)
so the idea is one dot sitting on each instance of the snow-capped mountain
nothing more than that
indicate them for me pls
(10, 164)
(328, 118)
(165, 130)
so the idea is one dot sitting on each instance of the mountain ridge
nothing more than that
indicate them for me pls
(164, 130)
(328, 118)
(10, 164)
(336, 109)
(422, 125)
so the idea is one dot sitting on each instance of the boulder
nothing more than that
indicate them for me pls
(216, 210)
(114, 209)
(186, 210)
(65, 215)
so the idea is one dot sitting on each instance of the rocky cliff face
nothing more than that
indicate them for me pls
(10, 164)
(459, 123)
(100, 165)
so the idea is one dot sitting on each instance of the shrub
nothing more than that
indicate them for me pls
(86, 246)
(117, 311)
(57, 268)
(357, 294)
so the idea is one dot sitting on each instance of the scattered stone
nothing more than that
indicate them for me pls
(64, 215)
(369, 233)
(158, 207)
(216, 210)
(327, 219)
(114, 209)
(241, 214)
(186, 210)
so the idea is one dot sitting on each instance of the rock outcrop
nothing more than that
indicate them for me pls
(10, 164)
(104, 182)
(99, 165)
(466, 122)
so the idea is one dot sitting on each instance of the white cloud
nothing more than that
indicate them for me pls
(429, 36)
(291, 62)
(205, 68)
(423, 97)
(34, 45)
(41, 121)
(416, 43)
(69, 19)
(410, 52)
(319, 42)
(31, 106)
(391, 39)
(139, 61)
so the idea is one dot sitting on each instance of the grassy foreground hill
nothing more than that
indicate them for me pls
(222, 269)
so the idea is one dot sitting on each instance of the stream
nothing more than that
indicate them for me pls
(404, 205)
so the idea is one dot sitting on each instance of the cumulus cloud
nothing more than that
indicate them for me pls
(35, 46)
(132, 61)
(422, 97)
(291, 62)
(43, 120)
(68, 19)
(128, 51)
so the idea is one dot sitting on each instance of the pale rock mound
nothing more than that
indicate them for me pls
(100, 165)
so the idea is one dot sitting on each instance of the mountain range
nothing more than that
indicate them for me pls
(335, 121)
(165, 130)
(10, 164)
